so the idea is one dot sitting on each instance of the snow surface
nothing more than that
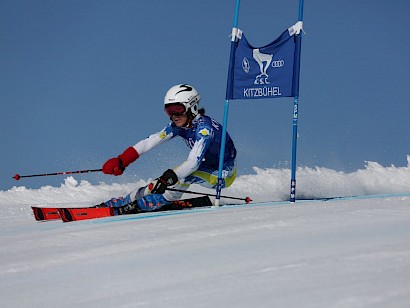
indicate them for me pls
(345, 252)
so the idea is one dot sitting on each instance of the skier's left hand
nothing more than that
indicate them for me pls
(159, 185)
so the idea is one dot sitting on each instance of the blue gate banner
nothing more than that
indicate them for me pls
(263, 72)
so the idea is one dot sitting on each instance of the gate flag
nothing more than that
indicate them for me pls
(264, 72)
(270, 71)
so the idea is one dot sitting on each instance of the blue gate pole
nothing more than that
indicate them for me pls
(226, 109)
(296, 106)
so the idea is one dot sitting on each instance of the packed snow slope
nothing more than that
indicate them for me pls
(344, 252)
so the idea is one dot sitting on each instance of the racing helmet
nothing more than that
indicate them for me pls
(181, 99)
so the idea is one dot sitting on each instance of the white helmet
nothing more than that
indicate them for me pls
(183, 94)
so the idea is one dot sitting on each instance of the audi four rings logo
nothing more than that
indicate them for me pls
(278, 63)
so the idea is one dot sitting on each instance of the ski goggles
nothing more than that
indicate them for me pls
(176, 109)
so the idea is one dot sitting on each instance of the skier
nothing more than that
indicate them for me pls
(200, 132)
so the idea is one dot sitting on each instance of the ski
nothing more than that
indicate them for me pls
(76, 214)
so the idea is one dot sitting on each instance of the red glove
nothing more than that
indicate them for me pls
(118, 164)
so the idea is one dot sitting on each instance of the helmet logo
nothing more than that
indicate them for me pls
(185, 88)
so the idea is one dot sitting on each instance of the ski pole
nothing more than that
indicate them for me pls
(18, 176)
(247, 199)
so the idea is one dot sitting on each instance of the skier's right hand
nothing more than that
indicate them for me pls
(113, 166)
(117, 165)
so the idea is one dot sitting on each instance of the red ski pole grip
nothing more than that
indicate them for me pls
(16, 177)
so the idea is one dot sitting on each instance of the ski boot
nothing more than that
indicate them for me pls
(118, 202)
(122, 205)
(151, 202)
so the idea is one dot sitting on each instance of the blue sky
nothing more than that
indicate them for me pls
(83, 80)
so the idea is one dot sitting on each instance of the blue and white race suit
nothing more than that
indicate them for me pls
(201, 167)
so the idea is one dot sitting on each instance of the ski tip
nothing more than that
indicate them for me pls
(45, 214)
(17, 177)
(248, 200)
